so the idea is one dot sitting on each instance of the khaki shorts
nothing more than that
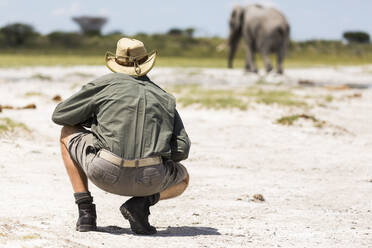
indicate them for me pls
(127, 181)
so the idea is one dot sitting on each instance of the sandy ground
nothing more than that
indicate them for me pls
(317, 183)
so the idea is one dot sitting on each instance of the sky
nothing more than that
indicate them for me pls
(309, 19)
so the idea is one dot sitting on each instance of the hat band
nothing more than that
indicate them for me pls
(128, 63)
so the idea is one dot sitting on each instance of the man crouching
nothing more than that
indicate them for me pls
(135, 142)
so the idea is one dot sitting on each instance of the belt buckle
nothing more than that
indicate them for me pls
(136, 163)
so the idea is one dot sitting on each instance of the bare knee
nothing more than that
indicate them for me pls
(175, 190)
(186, 180)
(66, 131)
(183, 184)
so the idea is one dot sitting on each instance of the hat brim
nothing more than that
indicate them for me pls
(130, 70)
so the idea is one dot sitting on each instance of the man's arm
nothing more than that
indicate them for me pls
(180, 142)
(77, 109)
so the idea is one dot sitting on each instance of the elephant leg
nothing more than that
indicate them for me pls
(266, 59)
(233, 46)
(250, 60)
(231, 55)
(280, 58)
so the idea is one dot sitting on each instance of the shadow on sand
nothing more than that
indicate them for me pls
(181, 231)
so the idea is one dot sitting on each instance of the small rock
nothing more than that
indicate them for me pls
(57, 98)
(258, 197)
(306, 83)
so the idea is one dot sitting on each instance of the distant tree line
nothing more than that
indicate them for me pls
(20, 35)
(175, 42)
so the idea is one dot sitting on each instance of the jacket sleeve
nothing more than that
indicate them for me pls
(180, 142)
(77, 109)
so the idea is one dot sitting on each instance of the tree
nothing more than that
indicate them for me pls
(17, 34)
(175, 31)
(356, 37)
(189, 32)
(90, 25)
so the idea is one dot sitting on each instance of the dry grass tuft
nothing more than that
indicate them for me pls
(235, 98)
(31, 236)
(7, 125)
(33, 93)
(28, 106)
(291, 119)
(41, 77)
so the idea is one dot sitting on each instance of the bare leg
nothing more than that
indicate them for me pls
(233, 46)
(175, 190)
(78, 178)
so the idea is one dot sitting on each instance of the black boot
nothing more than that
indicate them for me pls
(87, 212)
(87, 218)
(137, 210)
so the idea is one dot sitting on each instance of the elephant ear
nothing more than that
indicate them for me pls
(236, 18)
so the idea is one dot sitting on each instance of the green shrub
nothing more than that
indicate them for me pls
(65, 39)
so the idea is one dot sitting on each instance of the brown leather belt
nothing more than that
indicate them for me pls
(109, 156)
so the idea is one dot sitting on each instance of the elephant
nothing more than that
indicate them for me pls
(264, 29)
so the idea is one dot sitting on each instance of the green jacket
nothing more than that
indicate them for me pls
(131, 117)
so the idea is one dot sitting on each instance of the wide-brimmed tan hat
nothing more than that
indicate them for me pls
(131, 58)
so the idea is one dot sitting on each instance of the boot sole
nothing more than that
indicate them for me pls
(86, 228)
(136, 228)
